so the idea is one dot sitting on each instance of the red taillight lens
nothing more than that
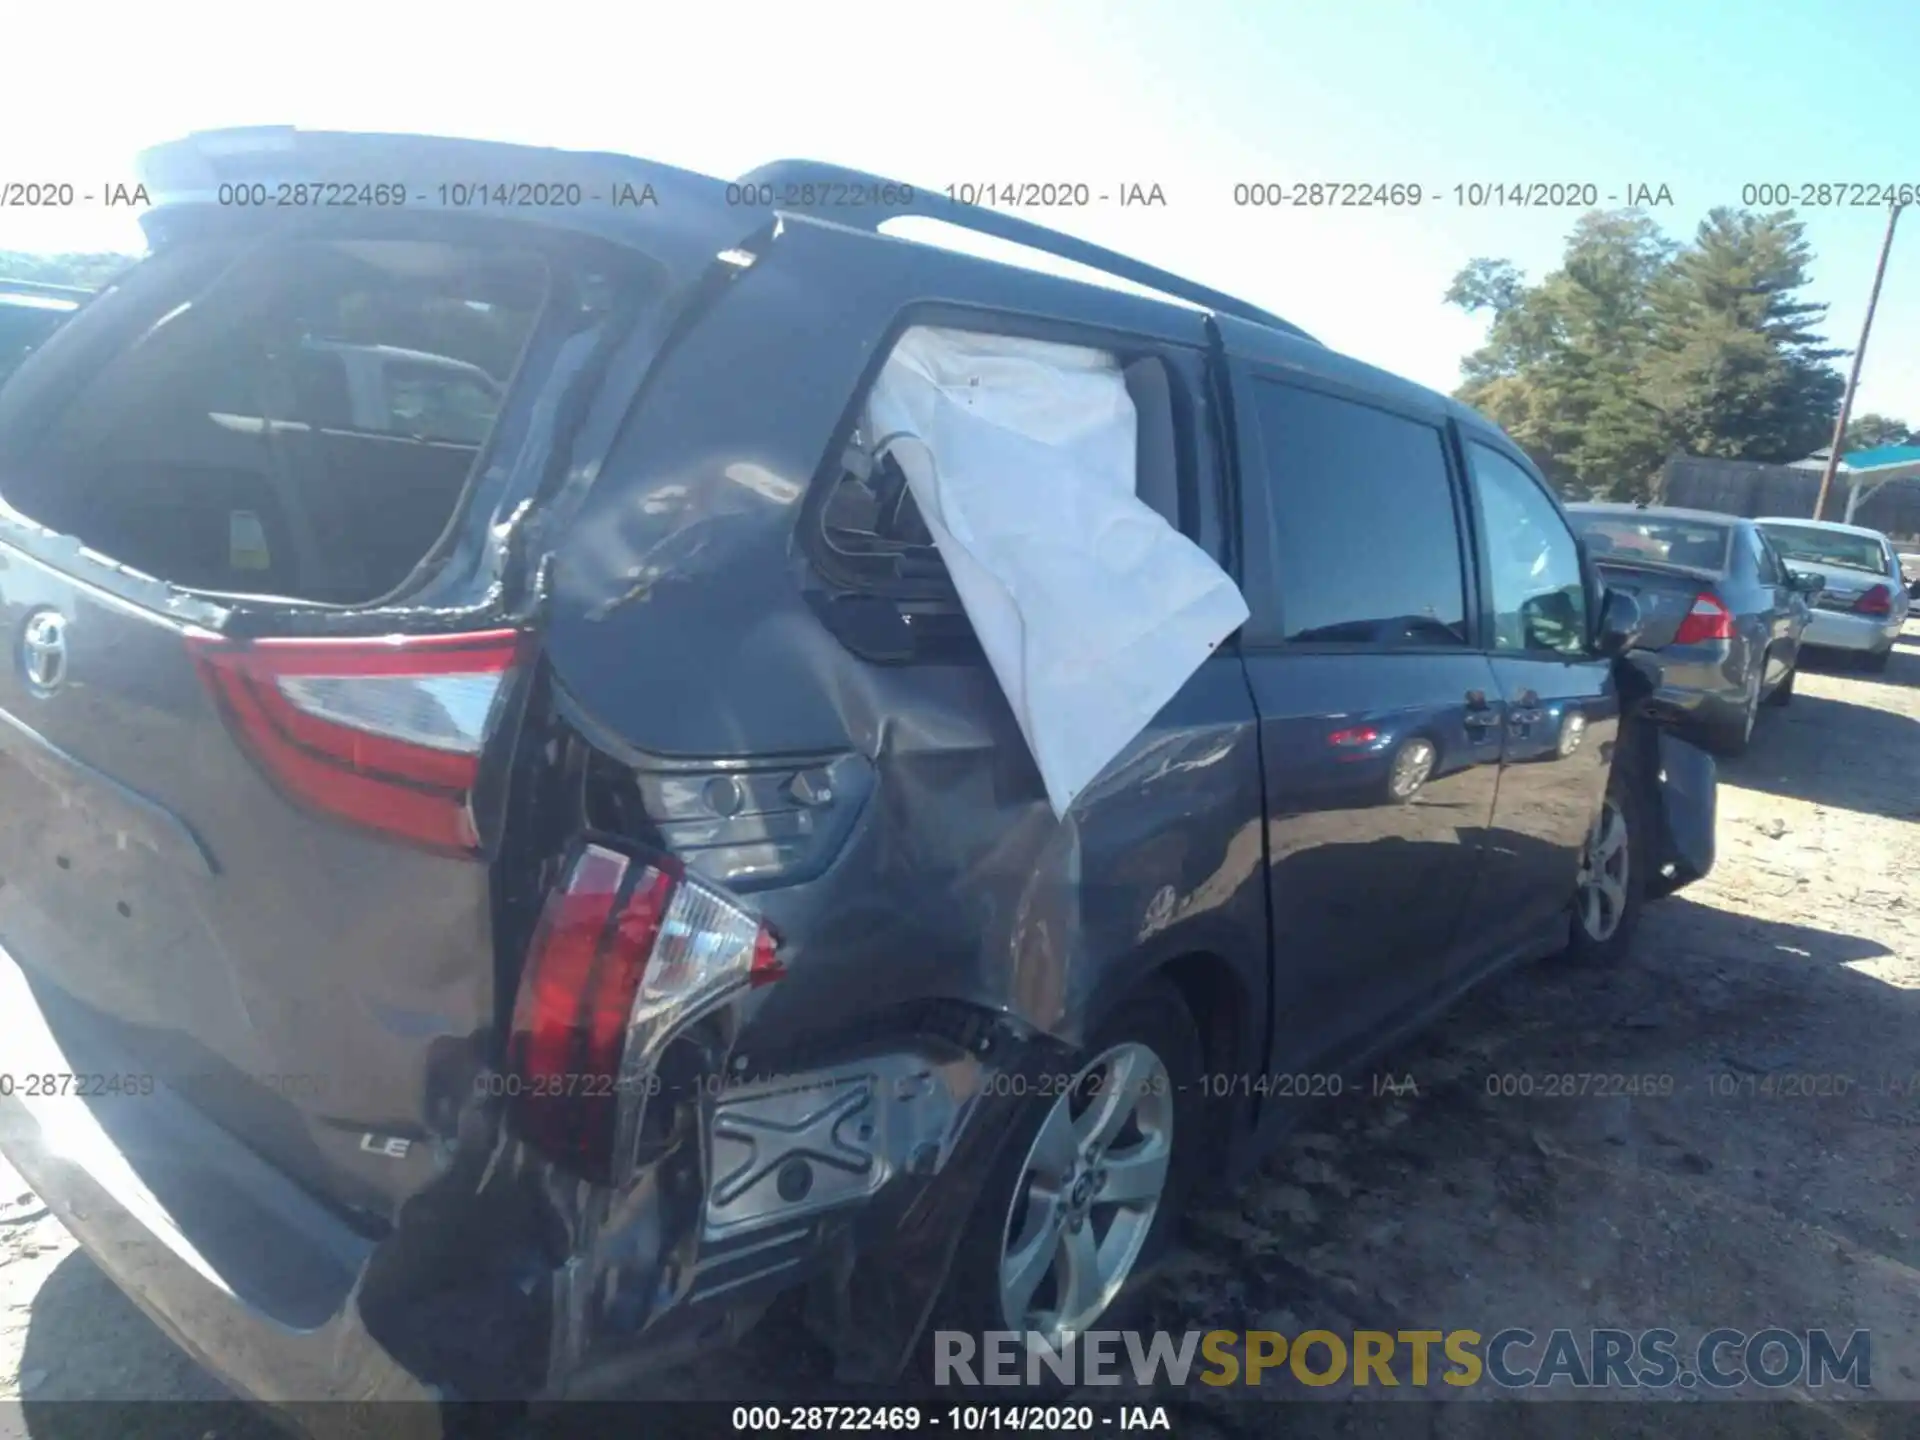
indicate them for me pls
(1877, 601)
(626, 951)
(383, 733)
(1358, 735)
(1707, 620)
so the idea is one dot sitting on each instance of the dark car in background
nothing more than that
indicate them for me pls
(513, 964)
(1862, 603)
(29, 313)
(1718, 606)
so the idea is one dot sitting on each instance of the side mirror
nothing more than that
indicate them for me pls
(1807, 582)
(1620, 624)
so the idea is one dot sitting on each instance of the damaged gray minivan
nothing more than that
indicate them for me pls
(570, 769)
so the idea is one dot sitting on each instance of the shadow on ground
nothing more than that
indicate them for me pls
(105, 1371)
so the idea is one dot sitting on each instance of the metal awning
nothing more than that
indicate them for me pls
(1884, 462)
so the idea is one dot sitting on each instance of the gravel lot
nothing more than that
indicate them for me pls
(1454, 1207)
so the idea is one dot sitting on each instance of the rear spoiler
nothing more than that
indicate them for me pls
(679, 218)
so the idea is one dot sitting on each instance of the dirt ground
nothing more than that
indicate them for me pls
(1737, 1200)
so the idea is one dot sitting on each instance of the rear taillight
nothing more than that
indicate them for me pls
(626, 952)
(384, 733)
(1707, 620)
(1877, 601)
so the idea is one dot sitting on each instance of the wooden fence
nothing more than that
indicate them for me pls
(1745, 487)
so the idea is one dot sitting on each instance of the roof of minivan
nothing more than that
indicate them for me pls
(685, 224)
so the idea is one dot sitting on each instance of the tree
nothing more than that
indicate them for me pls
(1737, 367)
(1870, 432)
(1558, 367)
(1637, 346)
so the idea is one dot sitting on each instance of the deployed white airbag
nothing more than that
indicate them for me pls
(1092, 609)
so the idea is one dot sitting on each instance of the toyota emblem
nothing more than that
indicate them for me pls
(43, 651)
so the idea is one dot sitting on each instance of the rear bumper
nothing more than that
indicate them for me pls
(1832, 630)
(508, 1280)
(250, 1275)
(1697, 689)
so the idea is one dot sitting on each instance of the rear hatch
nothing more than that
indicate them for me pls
(1665, 593)
(248, 835)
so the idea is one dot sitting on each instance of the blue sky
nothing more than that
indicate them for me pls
(1195, 96)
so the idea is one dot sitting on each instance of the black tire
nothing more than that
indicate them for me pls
(1627, 795)
(1154, 1015)
(1876, 663)
(1783, 692)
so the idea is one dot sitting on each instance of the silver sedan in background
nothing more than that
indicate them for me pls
(1862, 602)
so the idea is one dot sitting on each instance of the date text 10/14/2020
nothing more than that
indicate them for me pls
(956, 1419)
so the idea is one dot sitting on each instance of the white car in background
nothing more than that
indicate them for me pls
(1863, 603)
(389, 390)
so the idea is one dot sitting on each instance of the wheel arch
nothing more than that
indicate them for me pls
(1230, 1019)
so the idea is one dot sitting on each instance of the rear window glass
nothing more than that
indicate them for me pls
(1668, 542)
(293, 417)
(1810, 545)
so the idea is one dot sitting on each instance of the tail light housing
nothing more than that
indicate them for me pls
(383, 733)
(1876, 601)
(627, 951)
(1707, 619)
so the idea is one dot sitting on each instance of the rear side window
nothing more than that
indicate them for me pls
(873, 527)
(1367, 543)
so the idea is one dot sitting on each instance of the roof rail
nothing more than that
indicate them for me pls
(931, 205)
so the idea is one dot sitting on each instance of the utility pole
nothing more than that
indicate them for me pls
(1853, 377)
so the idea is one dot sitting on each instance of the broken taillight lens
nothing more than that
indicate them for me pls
(385, 733)
(626, 952)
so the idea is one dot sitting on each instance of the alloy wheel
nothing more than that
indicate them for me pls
(1412, 767)
(1092, 1183)
(1601, 892)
